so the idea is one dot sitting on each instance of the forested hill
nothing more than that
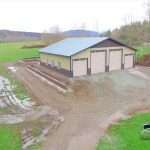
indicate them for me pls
(134, 34)
(7, 35)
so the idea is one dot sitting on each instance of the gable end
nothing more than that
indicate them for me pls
(111, 43)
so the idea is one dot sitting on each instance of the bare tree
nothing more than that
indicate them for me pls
(148, 10)
(55, 29)
(54, 35)
(45, 37)
(97, 26)
(83, 26)
(128, 19)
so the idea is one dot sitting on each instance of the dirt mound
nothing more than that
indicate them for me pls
(145, 60)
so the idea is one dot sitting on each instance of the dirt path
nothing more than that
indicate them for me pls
(94, 100)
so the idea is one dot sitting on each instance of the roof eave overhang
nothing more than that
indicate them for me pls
(54, 54)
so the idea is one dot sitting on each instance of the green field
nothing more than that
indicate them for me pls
(10, 138)
(13, 51)
(126, 135)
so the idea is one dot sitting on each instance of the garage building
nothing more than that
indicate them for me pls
(82, 56)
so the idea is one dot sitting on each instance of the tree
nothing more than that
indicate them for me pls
(54, 35)
(128, 19)
(106, 33)
(83, 26)
(148, 10)
(55, 29)
(45, 37)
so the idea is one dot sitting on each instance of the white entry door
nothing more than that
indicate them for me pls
(115, 59)
(80, 67)
(98, 61)
(128, 61)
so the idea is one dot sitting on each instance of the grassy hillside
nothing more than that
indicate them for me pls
(14, 51)
(143, 51)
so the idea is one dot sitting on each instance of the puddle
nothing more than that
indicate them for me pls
(8, 98)
(13, 69)
(2, 80)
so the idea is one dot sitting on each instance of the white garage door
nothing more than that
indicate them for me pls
(128, 61)
(98, 61)
(79, 67)
(115, 60)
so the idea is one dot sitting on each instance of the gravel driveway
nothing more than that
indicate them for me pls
(94, 99)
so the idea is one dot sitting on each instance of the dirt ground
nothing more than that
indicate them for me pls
(145, 61)
(93, 100)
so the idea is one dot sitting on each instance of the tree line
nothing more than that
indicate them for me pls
(134, 33)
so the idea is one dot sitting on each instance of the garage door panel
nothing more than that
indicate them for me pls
(115, 60)
(98, 62)
(128, 61)
(79, 67)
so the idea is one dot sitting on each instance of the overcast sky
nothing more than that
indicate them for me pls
(40, 15)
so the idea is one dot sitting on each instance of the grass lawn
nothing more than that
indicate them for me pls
(126, 135)
(10, 138)
(13, 51)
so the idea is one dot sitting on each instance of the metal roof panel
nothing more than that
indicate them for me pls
(70, 46)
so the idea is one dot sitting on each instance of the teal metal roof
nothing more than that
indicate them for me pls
(71, 46)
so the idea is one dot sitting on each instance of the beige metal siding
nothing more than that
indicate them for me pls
(54, 60)
(83, 54)
(86, 54)
(79, 67)
(65, 62)
(127, 51)
(43, 58)
(98, 62)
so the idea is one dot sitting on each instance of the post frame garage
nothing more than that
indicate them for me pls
(85, 56)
